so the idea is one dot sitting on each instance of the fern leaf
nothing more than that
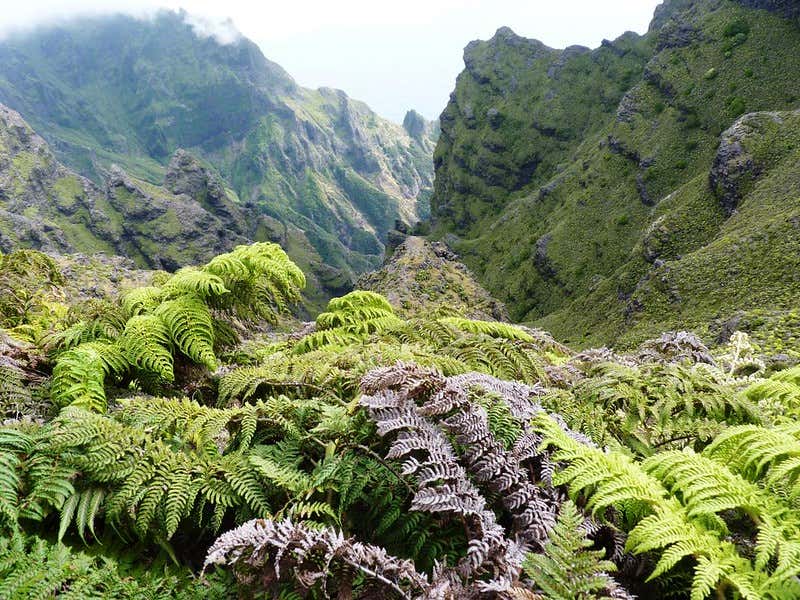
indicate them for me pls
(146, 343)
(191, 328)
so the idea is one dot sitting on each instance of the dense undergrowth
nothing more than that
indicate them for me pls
(189, 440)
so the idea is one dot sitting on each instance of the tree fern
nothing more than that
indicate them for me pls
(195, 282)
(490, 328)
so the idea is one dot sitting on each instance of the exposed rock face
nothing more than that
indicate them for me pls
(421, 277)
(732, 166)
(735, 167)
(166, 230)
(186, 176)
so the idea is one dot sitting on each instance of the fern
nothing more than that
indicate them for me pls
(568, 569)
(674, 505)
(195, 282)
(142, 300)
(33, 567)
(191, 328)
(761, 454)
(147, 344)
(80, 374)
(490, 328)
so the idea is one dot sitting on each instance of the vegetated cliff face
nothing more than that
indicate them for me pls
(46, 206)
(614, 232)
(118, 90)
(189, 219)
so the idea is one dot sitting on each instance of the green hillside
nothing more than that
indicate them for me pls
(610, 235)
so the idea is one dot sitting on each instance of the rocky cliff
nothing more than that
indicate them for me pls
(422, 277)
(188, 219)
(598, 225)
(314, 165)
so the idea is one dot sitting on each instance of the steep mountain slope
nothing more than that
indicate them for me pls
(190, 218)
(584, 242)
(131, 92)
(45, 205)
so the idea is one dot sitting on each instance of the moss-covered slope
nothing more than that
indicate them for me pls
(584, 249)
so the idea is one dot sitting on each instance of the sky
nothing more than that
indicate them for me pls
(393, 55)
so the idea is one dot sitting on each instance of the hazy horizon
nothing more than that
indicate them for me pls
(393, 59)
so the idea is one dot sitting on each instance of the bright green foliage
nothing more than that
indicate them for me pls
(147, 345)
(190, 327)
(356, 309)
(142, 300)
(490, 328)
(778, 396)
(454, 345)
(80, 373)
(684, 505)
(768, 455)
(568, 569)
(164, 322)
(653, 406)
(350, 319)
(36, 568)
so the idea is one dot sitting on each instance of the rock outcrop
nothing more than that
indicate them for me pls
(423, 277)
(44, 205)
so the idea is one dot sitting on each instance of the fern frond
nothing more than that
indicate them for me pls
(146, 343)
(494, 329)
(142, 300)
(568, 569)
(80, 374)
(191, 328)
(191, 280)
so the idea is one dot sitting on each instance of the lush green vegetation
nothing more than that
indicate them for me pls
(189, 439)
(617, 233)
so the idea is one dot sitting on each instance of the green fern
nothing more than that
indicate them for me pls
(80, 374)
(568, 569)
(191, 328)
(761, 454)
(147, 344)
(490, 328)
(195, 282)
(672, 502)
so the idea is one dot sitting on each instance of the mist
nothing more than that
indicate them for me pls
(393, 56)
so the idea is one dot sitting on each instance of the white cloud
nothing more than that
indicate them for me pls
(393, 55)
(221, 29)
